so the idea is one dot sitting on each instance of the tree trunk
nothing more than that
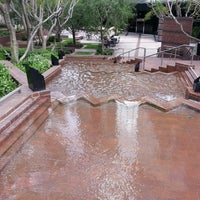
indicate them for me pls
(27, 23)
(13, 39)
(74, 36)
(44, 40)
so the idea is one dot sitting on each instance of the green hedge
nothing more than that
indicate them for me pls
(7, 84)
(38, 59)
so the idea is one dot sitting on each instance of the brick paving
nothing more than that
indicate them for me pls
(160, 162)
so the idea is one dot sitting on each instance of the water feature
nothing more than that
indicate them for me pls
(119, 150)
(112, 151)
(101, 81)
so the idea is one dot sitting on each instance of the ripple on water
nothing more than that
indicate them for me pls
(76, 79)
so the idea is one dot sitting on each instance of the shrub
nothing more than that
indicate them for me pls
(36, 61)
(7, 84)
(67, 41)
(4, 34)
(5, 53)
(107, 52)
(24, 37)
(196, 32)
(2, 55)
(83, 53)
(104, 52)
(68, 51)
(52, 39)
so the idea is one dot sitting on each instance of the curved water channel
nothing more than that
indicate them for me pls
(114, 151)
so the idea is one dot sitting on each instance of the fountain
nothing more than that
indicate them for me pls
(97, 82)
(121, 148)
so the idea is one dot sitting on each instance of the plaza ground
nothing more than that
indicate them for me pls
(111, 151)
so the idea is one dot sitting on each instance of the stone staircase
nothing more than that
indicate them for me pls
(102, 59)
(186, 72)
(20, 123)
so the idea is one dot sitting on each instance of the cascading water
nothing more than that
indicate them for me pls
(77, 79)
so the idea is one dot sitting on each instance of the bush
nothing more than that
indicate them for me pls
(52, 39)
(196, 32)
(68, 51)
(2, 55)
(7, 84)
(67, 41)
(4, 34)
(107, 52)
(24, 38)
(104, 52)
(83, 53)
(5, 53)
(36, 61)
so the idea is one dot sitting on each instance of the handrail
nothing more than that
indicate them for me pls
(120, 49)
(128, 52)
(177, 47)
(161, 52)
(170, 49)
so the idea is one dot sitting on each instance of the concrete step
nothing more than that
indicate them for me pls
(185, 77)
(14, 114)
(21, 129)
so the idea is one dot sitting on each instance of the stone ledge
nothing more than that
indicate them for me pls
(164, 106)
(190, 94)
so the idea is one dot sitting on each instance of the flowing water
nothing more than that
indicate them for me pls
(104, 81)
(115, 151)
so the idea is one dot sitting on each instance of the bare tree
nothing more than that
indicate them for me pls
(174, 9)
(193, 10)
(5, 10)
(34, 14)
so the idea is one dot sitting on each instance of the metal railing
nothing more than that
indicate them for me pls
(128, 54)
(181, 52)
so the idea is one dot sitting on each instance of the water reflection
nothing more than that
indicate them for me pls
(117, 180)
(68, 131)
(126, 116)
(112, 151)
(73, 134)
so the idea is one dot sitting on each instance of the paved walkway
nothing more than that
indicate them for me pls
(149, 43)
(134, 40)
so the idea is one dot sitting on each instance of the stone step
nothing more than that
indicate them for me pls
(12, 138)
(18, 121)
(186, 78)
(12, 115)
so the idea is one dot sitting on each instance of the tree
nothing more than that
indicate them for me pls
(34, 14)
(104, 15)
(5, 10)
(99, 16)
(174, 9)
(38, 16)
(74, 21)
(189, 8)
